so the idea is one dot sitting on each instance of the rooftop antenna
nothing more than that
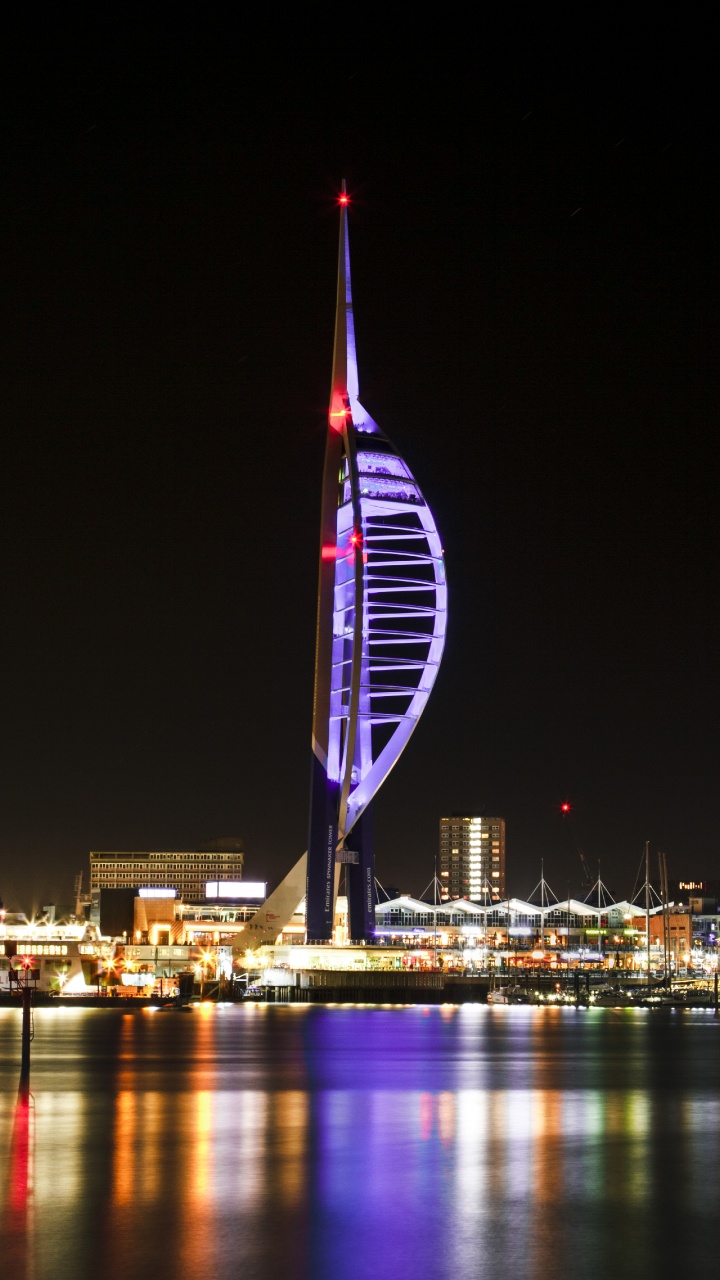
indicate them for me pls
(601, 893)
(544, 888)
(380, 889)
(435, 883)
(651, 896)
(487, 892)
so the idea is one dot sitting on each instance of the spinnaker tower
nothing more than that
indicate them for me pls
(381, 620)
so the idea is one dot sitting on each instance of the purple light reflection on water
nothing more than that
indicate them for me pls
(310, 1142)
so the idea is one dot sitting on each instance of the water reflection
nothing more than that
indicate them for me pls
(18, 1200)
(322, 1142)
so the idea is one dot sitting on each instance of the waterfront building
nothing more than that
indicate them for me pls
(679, 931)
(706, 930)
(380, 632)
(76, 960)
(558, 934)
(683, 890)
(142, 965)
(699, 895)
(471, 860)
(162, 921)
(288, 959)
(67, 959)
(186, 872)
(705, 904)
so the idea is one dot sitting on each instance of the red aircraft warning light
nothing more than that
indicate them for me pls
(565, 808)
(344, 198)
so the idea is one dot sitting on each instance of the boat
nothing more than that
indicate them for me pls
(62, 959)
(507, 995)
(607, 997)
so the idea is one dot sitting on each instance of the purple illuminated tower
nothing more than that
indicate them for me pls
(380, 632)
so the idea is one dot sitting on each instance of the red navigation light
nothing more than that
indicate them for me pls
(343, 199)
(356, 539)
(565, 808)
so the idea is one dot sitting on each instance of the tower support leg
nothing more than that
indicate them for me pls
(322, 842)
(361, 881)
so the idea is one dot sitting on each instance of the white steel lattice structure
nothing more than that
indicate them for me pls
(382, 610)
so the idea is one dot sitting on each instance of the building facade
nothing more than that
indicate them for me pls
(680, 932)
(472, 857)
(526, 934)
(185, 872)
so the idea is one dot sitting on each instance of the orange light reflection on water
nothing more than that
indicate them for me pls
(199, 1135)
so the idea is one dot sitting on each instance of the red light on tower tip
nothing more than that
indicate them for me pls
(338, 417)
(565, 808)
(343, 199)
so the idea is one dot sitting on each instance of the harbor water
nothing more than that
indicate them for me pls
(320, 1143)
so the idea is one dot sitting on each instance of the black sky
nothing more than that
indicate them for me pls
(534, 240)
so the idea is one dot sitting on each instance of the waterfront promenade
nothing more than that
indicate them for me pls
(582, 988)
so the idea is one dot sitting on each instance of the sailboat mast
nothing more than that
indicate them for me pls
(600, 932)
(665, 899)
(647, 907)
(435, 889)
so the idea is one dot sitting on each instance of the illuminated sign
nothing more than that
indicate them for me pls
(137, 979)
(158, 893)
(41, 949)
(255, 889)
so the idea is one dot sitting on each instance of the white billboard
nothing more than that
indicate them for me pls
(254, 890)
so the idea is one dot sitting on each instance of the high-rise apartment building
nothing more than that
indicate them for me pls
(472, 857)
(187, 873)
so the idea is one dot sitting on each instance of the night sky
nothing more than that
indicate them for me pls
(534, 244)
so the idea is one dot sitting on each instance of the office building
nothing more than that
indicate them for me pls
(472, 857)
(187, 873)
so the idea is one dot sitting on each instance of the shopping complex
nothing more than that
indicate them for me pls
(167, 942)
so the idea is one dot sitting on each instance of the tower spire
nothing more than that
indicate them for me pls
(345, 375)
